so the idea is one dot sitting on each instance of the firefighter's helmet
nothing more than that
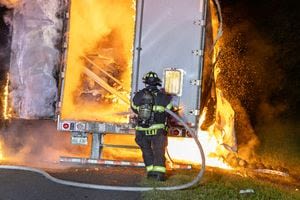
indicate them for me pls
(151, 78)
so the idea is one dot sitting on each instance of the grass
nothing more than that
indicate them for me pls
(220, 185)
(280, 146)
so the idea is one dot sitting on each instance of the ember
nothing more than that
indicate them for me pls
(1, 150)
(6, 109)
(9, 3)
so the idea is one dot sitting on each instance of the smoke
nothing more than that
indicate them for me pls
(37, 143)
(10, 3)
(246, 136)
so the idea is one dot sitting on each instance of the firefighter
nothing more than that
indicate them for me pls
(149, 104)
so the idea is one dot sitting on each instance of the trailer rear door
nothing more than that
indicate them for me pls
(170, 34)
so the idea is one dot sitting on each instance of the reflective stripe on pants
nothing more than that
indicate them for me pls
(149, 168)
(159, 169)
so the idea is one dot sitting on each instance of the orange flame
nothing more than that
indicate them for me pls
(10, 3)
(6, 109)
(98, 72)
(180, 149)
(185, 149)
(101, 41)
(1, 151)
(219, 134)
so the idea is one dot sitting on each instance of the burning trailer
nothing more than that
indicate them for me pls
(80, 62)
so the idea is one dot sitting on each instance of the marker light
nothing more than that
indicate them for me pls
(66, 126)
(173, 81)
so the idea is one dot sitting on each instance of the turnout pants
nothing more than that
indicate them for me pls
(153, 149)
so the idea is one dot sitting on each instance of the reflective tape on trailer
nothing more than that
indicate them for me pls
(181, 166)
(117, 162)
(101, 162)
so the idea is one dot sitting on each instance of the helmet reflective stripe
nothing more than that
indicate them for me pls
(151, 78)
(150, 74)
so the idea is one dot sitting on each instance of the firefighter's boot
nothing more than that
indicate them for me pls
(151, 175)
(160, 176)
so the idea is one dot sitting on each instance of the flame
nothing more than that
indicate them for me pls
(99, 60)
(184, 150)
(219, 135)
(121, 153)
(100, 50)
(101, 38)
(10, 3)
(6, 109)
(1, 150)
(181, 149)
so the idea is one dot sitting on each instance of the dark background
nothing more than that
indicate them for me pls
(260, 74)
(262, 58)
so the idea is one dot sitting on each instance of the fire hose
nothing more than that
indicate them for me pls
(124, 188)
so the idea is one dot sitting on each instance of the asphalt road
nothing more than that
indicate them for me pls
(37, 143)
(20, 185)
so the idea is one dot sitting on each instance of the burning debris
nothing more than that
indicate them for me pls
(5, 39)
(6, 108)
(1, 149)
(108, 67)
(99, 61)
(9, 3)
